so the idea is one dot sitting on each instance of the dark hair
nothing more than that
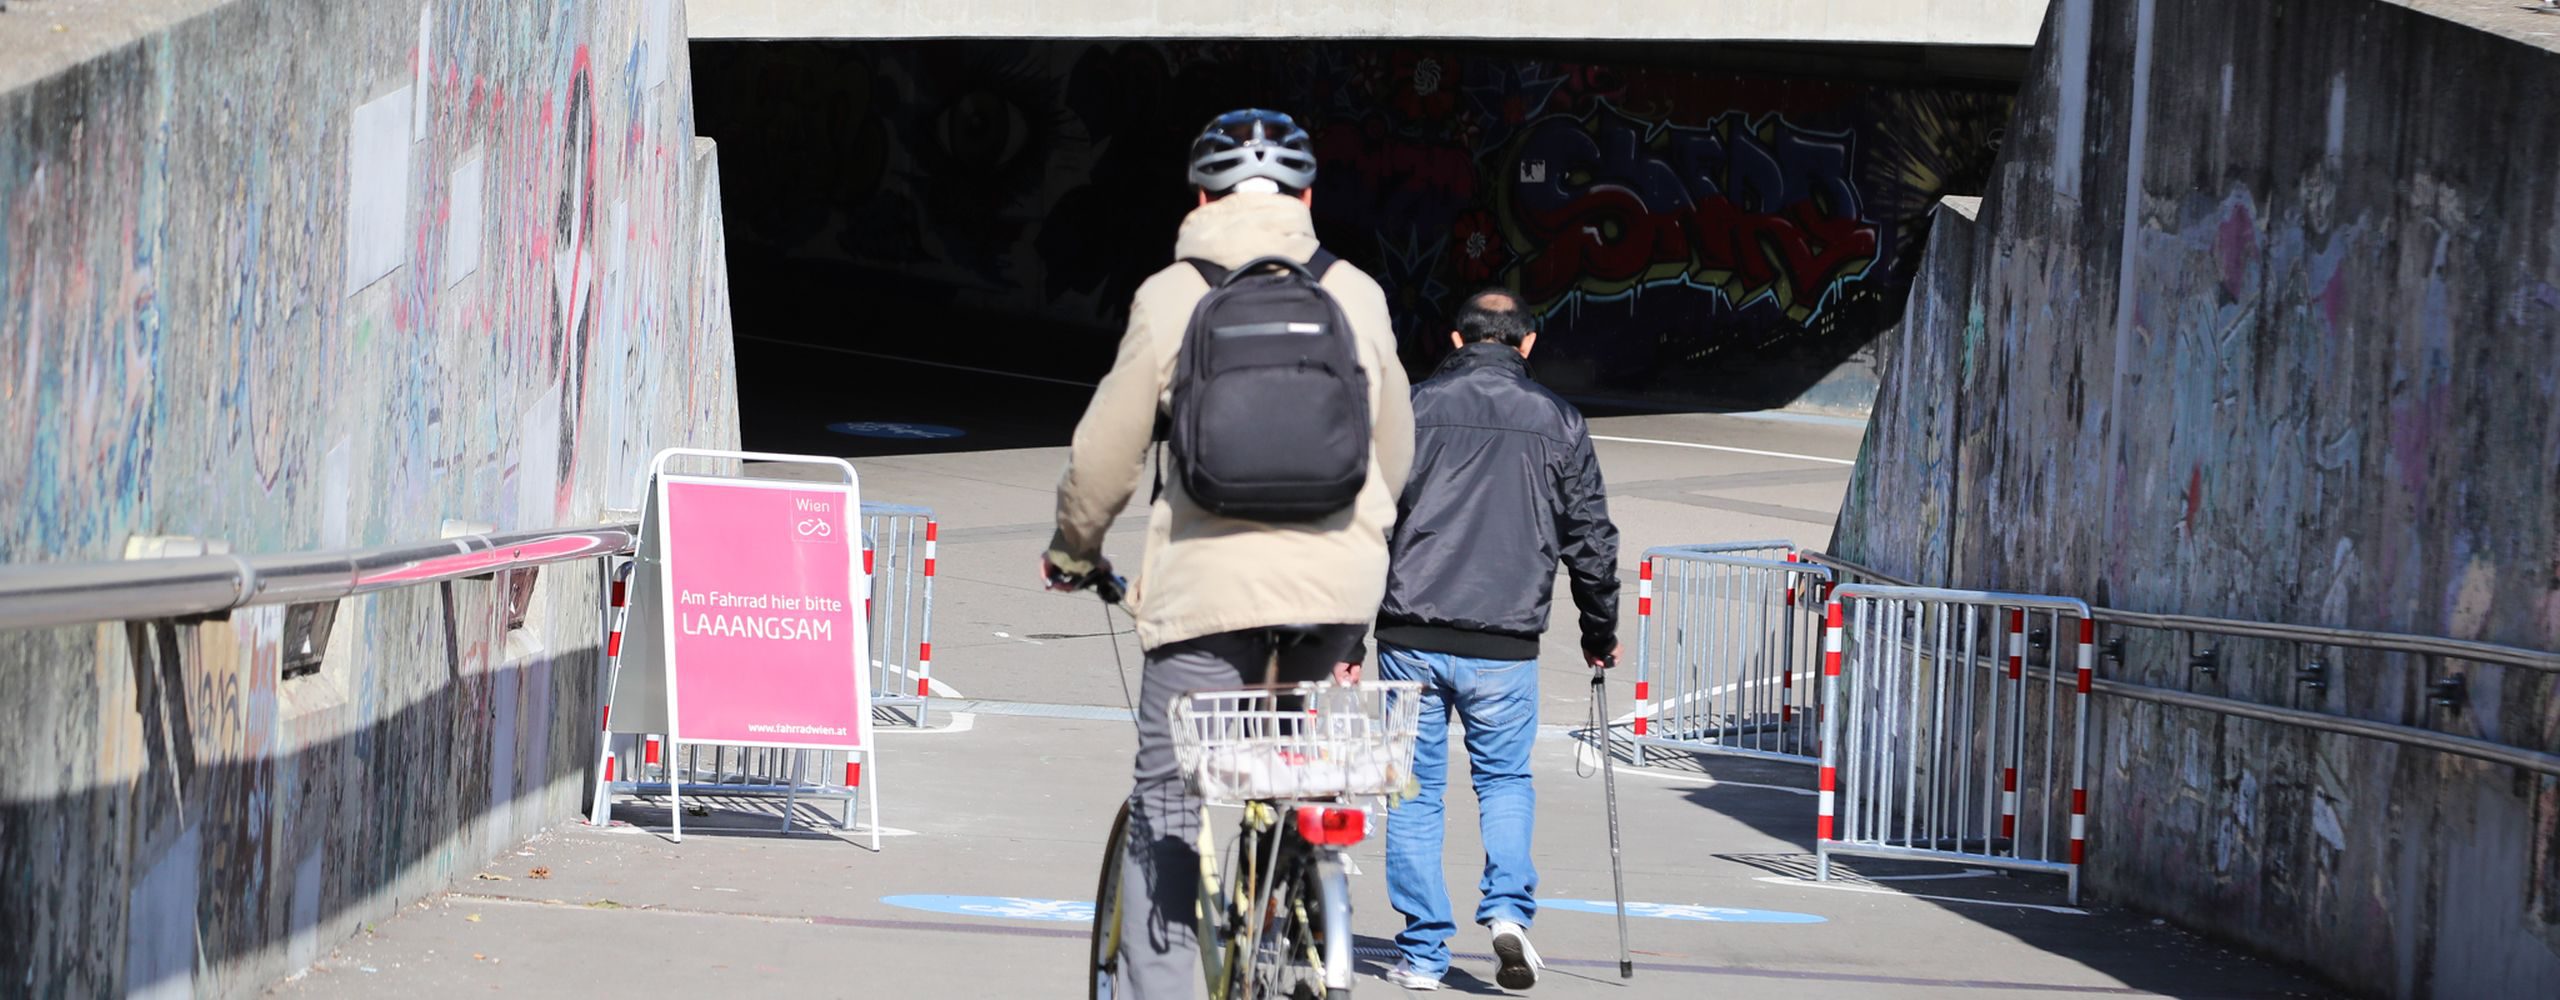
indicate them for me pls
(1494, 314)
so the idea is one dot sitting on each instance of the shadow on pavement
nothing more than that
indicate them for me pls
(2143, 953)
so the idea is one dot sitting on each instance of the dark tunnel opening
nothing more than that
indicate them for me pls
(932, 244)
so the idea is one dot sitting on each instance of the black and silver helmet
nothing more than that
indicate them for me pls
(1242, 145)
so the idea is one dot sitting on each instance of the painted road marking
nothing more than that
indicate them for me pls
(1683, 911)
(1712, 781)
(1080, 911)
(805, 827)
(920, 361)
(953, 722)
(1873, 891)
(1727, 448)
(1063, 911)
(893, 429)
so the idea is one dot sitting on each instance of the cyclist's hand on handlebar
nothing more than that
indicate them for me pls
(1062, 572)
(1607, 661)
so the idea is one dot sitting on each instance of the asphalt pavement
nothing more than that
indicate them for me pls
(995, 816)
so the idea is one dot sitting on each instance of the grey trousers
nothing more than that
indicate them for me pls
(1160, 871)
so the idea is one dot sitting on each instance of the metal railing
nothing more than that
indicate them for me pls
(1724, 636)
(52, 594)
(2430, 739)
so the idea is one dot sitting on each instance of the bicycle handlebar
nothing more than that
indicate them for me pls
(1111, 587)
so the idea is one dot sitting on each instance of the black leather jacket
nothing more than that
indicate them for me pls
(1504, 484)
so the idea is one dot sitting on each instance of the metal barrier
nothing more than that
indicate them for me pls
(1736, 626)
(1929, 751)
(898, 555)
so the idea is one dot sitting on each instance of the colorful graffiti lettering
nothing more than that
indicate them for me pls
(1756, 210)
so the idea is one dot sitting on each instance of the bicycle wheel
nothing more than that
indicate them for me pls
(1284, 958)
(1104, 953)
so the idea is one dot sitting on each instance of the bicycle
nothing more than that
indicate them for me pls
(1306, 763)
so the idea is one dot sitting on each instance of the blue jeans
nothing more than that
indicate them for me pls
(1497, 700)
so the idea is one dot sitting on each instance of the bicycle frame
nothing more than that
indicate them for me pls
(1221, 953)
(1225, 947)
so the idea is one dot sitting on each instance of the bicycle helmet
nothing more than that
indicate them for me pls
(1240, 146)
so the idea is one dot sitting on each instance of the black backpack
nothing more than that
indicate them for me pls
(1270, 411)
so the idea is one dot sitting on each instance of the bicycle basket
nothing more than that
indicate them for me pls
(1312, 741)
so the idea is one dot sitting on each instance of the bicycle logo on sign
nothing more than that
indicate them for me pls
(817, 528)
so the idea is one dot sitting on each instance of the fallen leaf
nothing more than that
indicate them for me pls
(492, 877)
(478, 957)
(540, 873)
(474, 918)
(605, 904)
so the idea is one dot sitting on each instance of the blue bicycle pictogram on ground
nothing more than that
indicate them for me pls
(1065, 911)
(1683, 911)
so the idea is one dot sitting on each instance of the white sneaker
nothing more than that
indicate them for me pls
(1403, 975)
(1520, 962)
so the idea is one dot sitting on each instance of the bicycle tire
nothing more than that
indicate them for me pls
(1102, 954)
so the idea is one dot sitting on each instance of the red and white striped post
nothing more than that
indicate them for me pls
(2017, 746)
(621, 600)
(2080, 735)
(1787, 670)
(1644, 633)
(1830, 776)
(924, 647)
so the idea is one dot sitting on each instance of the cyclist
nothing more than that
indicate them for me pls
(1217, 598)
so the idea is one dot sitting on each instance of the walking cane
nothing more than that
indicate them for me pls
(1609, 781)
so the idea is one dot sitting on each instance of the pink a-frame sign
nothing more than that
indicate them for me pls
(763, 594)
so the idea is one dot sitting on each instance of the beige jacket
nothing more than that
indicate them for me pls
(1204, 574)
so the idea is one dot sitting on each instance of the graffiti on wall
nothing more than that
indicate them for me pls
(1752, 211)
(1653, 214)
(459, 268)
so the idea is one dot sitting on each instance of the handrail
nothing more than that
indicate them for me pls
(2323, 635)
(2479, 749)
(37, 596)
(2393, 642)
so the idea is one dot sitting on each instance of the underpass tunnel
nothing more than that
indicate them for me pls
(932, 244)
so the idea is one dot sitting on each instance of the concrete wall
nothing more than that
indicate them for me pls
(1936, 22)
(297, 274)
(2258, 322)
(1694, 225)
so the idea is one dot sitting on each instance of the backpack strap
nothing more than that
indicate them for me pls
(1163, 433)
(1211, 273)
(1321, 262)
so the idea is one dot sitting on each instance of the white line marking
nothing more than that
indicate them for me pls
(620, 828)
(919, 361)
(961, 722)
(1703, 779)
(1872, 891)
(1719, 447)
(1967, 873)
(1668, 706)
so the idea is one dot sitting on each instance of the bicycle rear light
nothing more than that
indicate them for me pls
(1326, 826)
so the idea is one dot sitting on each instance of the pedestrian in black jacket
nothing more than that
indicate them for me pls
(1504, 485)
